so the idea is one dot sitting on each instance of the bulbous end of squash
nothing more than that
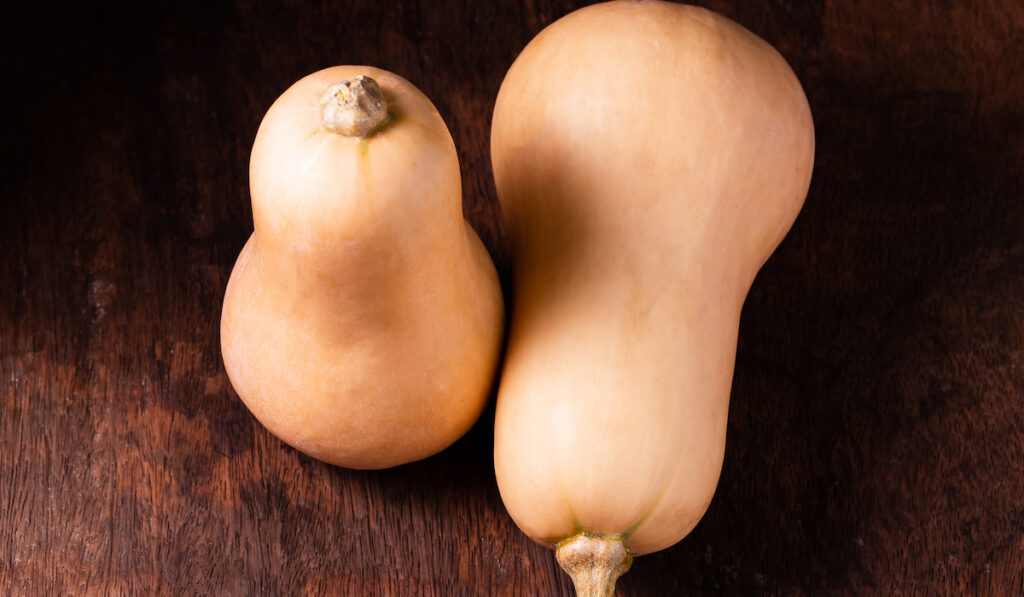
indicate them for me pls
(594, 563)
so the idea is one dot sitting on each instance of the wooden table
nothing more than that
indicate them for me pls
(876, 435)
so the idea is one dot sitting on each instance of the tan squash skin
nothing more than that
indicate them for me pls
(649, 157)
(363, 319)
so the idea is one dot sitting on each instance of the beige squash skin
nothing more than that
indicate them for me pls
(363, 319)
(648, 157)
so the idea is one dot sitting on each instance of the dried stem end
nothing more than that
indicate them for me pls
(594, 563)
(353, 107)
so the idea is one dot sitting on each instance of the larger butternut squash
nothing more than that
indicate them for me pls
(649, 157)
(363, 319)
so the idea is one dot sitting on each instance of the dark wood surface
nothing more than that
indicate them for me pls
(876, 435)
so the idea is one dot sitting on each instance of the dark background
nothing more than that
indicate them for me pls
(876, 435)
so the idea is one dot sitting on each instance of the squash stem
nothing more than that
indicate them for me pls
(594, 563)
(354, 108)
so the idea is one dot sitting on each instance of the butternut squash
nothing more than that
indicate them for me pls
(363, 319)
(649, 157)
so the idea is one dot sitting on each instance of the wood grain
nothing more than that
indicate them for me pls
(876, 436)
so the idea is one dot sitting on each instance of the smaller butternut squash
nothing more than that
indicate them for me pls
(363, 319)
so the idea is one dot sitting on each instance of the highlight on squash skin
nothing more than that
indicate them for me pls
(641, 200)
